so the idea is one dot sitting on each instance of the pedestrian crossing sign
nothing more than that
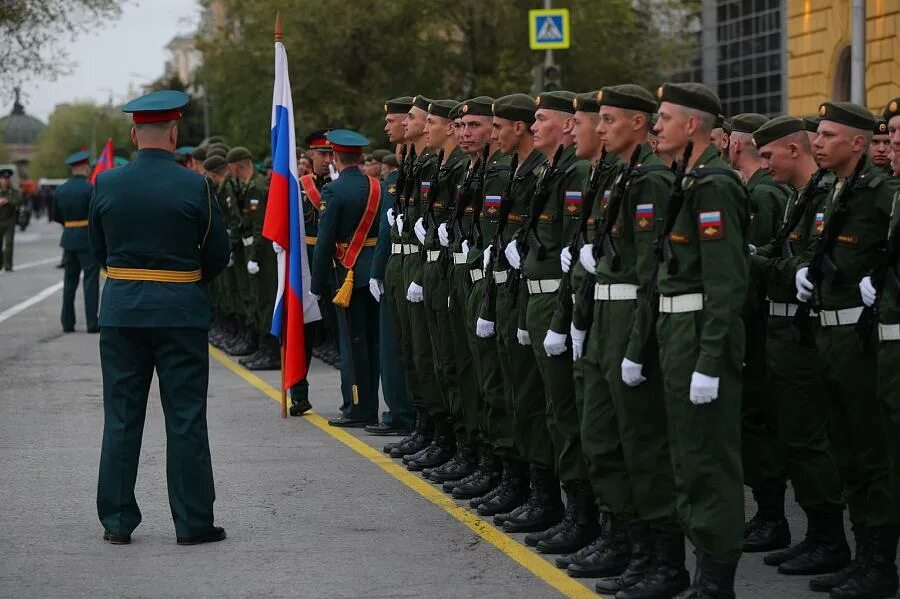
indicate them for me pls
(549, 29)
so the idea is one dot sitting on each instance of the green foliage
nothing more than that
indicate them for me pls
(74, 126)
(4, 155)
(346, 58)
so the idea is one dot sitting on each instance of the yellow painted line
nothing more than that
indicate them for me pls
(519, 553)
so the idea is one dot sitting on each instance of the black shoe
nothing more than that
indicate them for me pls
(386, 430)
(824, 584)
(666, 574)
(93, 330)
(266, 361)
(344, 422)
(878, 578)
(213, 536)
(543, 508)
(640, 565)
(461, 465)
(764, 534)
(415, 442)
(475, 502)
(563, 561)
(251, 358)
(301, 407)
(116, 539)
(824, 549)
(579, 526)
(609, 557)
(486, 477)
(509, 494)
(441, 449)
(714, 579)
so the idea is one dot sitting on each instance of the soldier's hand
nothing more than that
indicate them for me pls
(578, 336)
(554, 343)
(376, 289)
(464, 246)
(586, 257)
(390, 217)
(632, 373)
(278, 249)
(523, 337)
(565, 259)
(704, 389)
(230, 260)
(252, 267)
(247, 241)
(486, 257)
(400, 224)
(868, 292)
(512, 255)
(805, 287)
(484, 328)
(443, 235)
(419, 230)
(415, 293)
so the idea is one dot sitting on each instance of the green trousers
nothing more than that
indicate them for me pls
(461, 331)
(180, 357)
(705, 440)
(559, 387)
(241, 278)
(889, 398)
(855, 424)
(437, 317)
(420, 342)
(640, 414)
(264, 285)
(532, 437)
(802, 427)
(75, 263)
(497, 407)
(7, 235)
(395, 299)
(393, 370)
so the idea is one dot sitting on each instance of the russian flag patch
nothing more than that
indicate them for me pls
(254, 204)
(710, 224)
(573, 201)
(424, 186)
(492, 204)
(820, 222)
(643, 217)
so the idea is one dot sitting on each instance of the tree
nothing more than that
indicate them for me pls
(75, 126)
(35, 32)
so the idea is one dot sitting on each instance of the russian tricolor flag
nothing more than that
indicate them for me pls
(294, 305)
(105, 162)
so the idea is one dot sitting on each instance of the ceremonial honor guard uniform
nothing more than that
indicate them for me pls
(342, 262)
(71, 202)
(158, 230)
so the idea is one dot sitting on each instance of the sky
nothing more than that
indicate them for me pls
(128, 52)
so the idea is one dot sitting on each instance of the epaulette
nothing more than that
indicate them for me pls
(642, 170)
(701, 172)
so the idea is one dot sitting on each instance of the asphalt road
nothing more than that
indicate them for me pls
(310, 512)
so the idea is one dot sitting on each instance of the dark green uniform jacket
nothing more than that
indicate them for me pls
(71, 202)
(154, 214)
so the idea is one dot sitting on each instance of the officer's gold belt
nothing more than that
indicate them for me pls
(160, 276)
(310, 240)
(74, 224)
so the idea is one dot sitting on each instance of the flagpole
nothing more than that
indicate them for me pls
(284, 409)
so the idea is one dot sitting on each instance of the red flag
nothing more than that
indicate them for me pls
(106, 160)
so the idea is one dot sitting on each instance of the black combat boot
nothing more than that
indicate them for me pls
(441, 449)
(768, 529)
(415, 441)
(270, 354)
(879, 578)
(667, 575)
(609, 557)
(224, 333)
(543, 508)
(640, 564)
(245, 343)
(233, 336)
(713, 580)
(580, 525)
(824, 549)
(483, 479)
(511, 491)
(824, 584)
(256, 355)
(563, 561)
(462, 463)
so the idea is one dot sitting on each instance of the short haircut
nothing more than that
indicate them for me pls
(707, 120)
(746, 140)
(349, 157)
(155, 128)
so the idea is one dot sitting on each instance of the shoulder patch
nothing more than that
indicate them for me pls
(573, 201)
(392, 189)
(643, 217)
(254, 204)
(492, 205)
(820, 222)
(848, 239)
(710, 224)
(679, 238)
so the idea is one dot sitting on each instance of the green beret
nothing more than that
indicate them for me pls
(216, 152)
(456, 112)
(720, 122)
(811, 123)
(747, 122)
(561, 100)
(651, 123)
(237, 154)
(421, 102)
(690, 95)
(881, 126)
(441, 108)
(515, 107)
(727, 125)
(214, 163)
(627, 96)
(214, 139)
(777, 128)
(399, 105)
(480, 106)
(217, 146)
(199, 153)
(586, 102)
(380, 154)
(892, 109)
(847, 113)
(390, 160)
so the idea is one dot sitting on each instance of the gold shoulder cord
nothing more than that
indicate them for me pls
(208, 212)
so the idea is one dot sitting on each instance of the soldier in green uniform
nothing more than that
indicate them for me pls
(10, 200)
(220, 290)
(857, 218)
(342, 262)
(792, 359)
(71, 201)
(702, 282)
(154, 317)
(763, 461)
(513, 117)
(880, 149)
(198, 157)
(397, 379)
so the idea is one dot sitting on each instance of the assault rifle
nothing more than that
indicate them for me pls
(603, 244)
(489, 305)
(782, 238)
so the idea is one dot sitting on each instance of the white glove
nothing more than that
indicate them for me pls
(554, 343)
(632, 373)
(419, 229)
(586, 257)
(486, 258)
(278, 249)
(252, 267)
(443, 236)
(247, 241)
(804, 285)
(512, 255)
(390, 215)
(565, 259)
(867, 291)
(578, 336)
(415, 293)
(400, 224)
(751, 249)
(230, 260)
(316, 295)
(704, 389)
(465, 247)
(484, 328)
(376, 289)
(523, 337)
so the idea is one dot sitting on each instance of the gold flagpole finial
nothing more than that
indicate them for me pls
(278, 26)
